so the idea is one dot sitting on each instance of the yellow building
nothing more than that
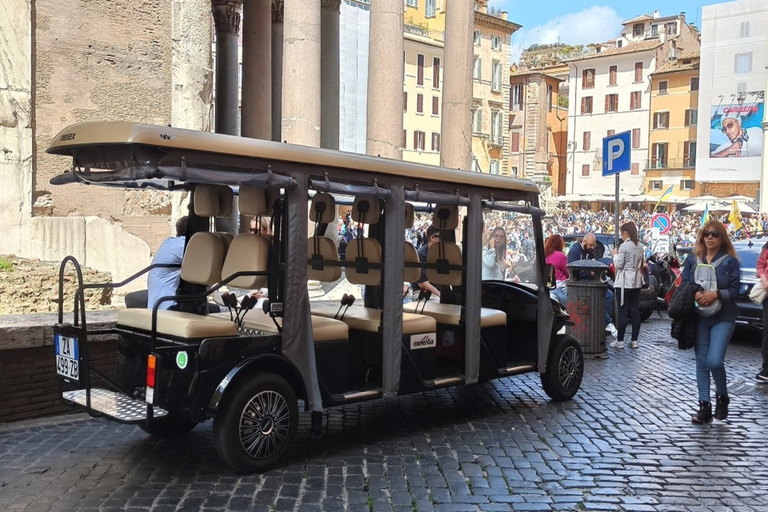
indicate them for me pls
(424, 34)
(672, 140)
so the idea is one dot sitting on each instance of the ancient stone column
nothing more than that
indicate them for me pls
(329, 74)
(277, 68)
(226, 17)
(256, 100)
(385, 80)
(301, 72)
(456, 124)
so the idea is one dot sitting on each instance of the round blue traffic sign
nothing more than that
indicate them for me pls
(662, 222)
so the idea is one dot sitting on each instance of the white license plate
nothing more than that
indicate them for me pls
(67, 357)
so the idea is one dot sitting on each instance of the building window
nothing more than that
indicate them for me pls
(689, 153)
(661, 120)
(635, 138)
(549, 98)
(742, 63)
(635, 100)
(496, 76)
(635, 169)
(695, 83)
(497, 125)
(418, 140)
(419, 103)
(663, 87)
(477, 37)
(638, 29)
(612, 75)
(429, 8)
(654, 31)
(436, 142)
(405, 101)
(659, 155)
(477, 72)
(477, 120)
(687, 184)
(586, 105)
(655, 184)
(585, 169)
(405, 138)
(412, 3)
(475, 165)
(496, 43)
(514, 142)
(436, 73)
(435, 106)
(420, 69)
(691, 117)
(611, 102)
(638, 72)
(671, 28)
(513, 171)
(494, 168)
(586, 141)
(588, 78)
(744, 30)
(610, 132)
(517, 97)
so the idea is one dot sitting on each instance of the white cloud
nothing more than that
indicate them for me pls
(591, 25)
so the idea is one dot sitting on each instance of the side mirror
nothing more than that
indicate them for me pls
(550, 273)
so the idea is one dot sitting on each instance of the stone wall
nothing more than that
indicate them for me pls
(32, 286)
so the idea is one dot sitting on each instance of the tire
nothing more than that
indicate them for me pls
(565, 369)
(645, 314)
(256, 423)
(169, 426)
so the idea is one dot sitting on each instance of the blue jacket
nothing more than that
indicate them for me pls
(578, 253)
(728, 274)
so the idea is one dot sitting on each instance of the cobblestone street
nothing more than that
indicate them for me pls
(624, 443)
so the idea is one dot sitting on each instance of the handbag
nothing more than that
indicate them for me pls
(705, 276)
(757, 294)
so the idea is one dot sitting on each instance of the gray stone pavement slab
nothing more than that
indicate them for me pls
(624, 442)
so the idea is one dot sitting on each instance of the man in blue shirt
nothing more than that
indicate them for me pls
(163, 282)
(585, 250)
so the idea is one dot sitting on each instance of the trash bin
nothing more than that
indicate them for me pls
(586, 306)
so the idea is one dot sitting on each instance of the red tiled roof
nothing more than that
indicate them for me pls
(642, 17)
(630, 48)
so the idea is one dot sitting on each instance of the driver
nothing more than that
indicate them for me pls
(585, 250)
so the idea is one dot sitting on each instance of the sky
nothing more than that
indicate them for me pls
(584, 21)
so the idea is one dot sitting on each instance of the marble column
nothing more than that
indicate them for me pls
(277, 68)
(385, 80)
(456, 124)
(256, 101)
(330, 74)
(301, 72)
(226, 17)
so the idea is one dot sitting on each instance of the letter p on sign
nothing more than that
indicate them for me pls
(616, 154)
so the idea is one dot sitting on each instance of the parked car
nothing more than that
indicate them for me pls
(750, 314)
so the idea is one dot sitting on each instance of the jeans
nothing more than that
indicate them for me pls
(631, 308)
(711, 343)
(560, 294)
(765, 336)
(608, 307)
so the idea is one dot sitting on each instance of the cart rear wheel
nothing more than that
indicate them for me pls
(256, 423)
(565, 369)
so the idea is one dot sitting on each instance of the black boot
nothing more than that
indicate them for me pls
(705, 413)
(721, 407)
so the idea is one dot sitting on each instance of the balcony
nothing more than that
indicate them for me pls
(671, 163)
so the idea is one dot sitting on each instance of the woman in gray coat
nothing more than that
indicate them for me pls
(629, 261)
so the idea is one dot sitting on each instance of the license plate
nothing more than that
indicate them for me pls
(67, 357)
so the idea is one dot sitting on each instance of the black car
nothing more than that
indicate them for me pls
(605, 241)
(750, 314)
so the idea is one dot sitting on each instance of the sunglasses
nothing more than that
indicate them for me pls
(713, 234)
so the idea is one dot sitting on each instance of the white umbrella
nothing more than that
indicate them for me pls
(700, 207)
(739, 199)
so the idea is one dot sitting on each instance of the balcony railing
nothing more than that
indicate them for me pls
(671, 163)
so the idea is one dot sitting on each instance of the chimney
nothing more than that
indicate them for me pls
(682, 17)
(504, 15)
(656, 14)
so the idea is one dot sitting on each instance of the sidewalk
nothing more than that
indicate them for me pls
(625, 442)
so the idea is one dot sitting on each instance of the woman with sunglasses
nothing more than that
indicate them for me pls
(713, 247)
(495, 260)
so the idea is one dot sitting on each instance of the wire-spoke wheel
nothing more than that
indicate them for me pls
(256, 424)
(565, 369)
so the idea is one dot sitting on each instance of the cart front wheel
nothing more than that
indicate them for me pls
(565, 369)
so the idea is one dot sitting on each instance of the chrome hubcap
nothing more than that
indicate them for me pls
(264, 424)
(569, 369)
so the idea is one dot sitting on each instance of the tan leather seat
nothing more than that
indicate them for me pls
(177, 323)
(369, 320)
(450, 314)
(323, 329)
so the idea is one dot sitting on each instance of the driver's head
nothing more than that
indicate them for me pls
(589, 242)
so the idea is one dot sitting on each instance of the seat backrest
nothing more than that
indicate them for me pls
(442, 254)
(321, 249)
(410, 274)
(364, 250)
(213, 200)
(247, 253)
(203, 259)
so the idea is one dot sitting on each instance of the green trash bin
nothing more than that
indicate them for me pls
(586, 306)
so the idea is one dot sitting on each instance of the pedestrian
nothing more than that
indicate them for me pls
(762, 274)
(495, 262)
(553, 252)
(628, 260)
(423, 284)
(164, 281)
(585, 250)
(714, 266)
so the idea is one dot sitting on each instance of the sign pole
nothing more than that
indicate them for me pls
(616, 236)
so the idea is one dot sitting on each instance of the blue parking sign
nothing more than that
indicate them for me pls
(616, 153)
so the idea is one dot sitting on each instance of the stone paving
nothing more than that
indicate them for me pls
(624, 443)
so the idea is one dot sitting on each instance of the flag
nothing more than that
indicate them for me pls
(734, 218)
(705, 215)
(664, 196)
